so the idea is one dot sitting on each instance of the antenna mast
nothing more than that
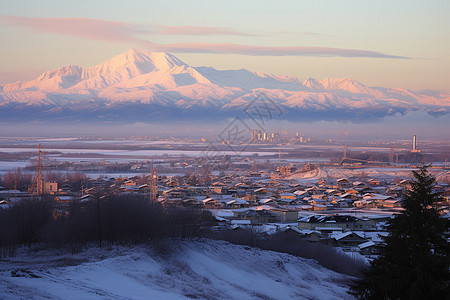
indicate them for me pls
(37, 188)
(153, 182)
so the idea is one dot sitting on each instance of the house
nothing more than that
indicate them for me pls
(287, 202)
(392, 204)
(191, 202)
(332, 192)
(285, 215)
(63, 199)
(319, 207)
(4, 203)
(261, 193)
(350, 196)
(368, 248)
(289, 196)
(301, 194)
(255, 216)
(374, 200)
(320, 196)
(343, 183)
(364, 203)
(130, 183)
(359, 185)
(251, 199)
(218, 188)
(312, 236)
(395, 191)
(373, 182)
(210, 203)
(290, 233)
(342, 203)
(241, 187)
(338, 222)
(87, 198)
(348, 241)
(267, 201)
(254, 174)
(175, 194)
(50, 188)
(237, 203)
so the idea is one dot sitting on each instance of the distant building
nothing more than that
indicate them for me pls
(414, 145)
(342, 222)
(50, 188)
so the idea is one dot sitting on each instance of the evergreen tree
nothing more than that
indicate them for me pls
(414, 263)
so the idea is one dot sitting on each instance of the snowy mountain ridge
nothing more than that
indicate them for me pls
(160, 81)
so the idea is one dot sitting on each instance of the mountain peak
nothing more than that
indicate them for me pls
(135, 62)
(165, 61)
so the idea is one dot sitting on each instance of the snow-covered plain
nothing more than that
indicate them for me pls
(333, 173)
(190, 270)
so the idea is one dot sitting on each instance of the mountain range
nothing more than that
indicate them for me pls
(149, 87)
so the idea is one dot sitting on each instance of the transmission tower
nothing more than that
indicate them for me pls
(153, 183)
(37, 188)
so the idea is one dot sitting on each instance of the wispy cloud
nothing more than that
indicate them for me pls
(199, 30)
(111, 30)
(267, 50)
(114, 31)
(92, 29)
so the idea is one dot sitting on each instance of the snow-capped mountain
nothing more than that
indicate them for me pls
(141, 86)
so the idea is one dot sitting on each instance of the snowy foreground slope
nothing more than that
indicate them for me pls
(194, 270)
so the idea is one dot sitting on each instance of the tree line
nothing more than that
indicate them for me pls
(20, 180)
(108, 219)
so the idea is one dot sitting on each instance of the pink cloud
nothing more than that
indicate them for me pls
(199, 30)
(92, 29)
(113, 31)
(267, 50)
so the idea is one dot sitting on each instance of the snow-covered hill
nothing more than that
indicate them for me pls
(193, 270)
(160, 85)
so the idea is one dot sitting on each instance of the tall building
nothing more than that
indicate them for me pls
(414, 145)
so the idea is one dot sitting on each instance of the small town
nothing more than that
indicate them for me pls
(349, 212)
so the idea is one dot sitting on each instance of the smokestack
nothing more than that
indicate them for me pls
(414, 143)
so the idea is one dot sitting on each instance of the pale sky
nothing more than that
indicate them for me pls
(400, 43)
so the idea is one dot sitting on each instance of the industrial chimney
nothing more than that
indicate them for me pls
(414, 145)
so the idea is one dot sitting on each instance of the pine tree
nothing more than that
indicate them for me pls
(414, 263)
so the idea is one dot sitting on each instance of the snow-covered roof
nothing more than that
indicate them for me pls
(241, 222)
(342, 180)
(286, 194)
(208, 200)
(342, 235)
(293, 228)
(328, 228)
(300, 193)
(377, 197)
(236, 200)
(366, 244)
